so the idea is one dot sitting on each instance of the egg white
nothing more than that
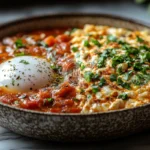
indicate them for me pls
(25, 73)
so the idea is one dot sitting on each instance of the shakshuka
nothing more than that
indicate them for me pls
(76, 70)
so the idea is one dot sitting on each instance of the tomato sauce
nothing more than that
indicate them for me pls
(51, 44)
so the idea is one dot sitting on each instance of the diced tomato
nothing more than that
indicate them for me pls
(68, 102)
(45, 93)
(62, 38)
(50, 40)
(28, 104)
(57, 104)
(68, 65)
(66, 91)
(35, 51)
(3, 55)
(63, 48)
(8, 99)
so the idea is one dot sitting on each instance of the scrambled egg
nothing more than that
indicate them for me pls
(114, 67)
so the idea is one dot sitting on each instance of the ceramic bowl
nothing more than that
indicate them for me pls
(73, 127)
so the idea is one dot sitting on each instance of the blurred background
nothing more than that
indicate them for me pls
(12, 10)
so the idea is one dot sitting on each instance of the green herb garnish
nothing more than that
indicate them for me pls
(128, 75)
(95, 42)
(88, 76)
(132, 50)
(102, 82)
(13, 82)
(24, 62)
(86, 43)
(138, 66)
(119, 70)
(95, 88)
(111, 38)
(81, 65)
(140, 79)
(19, 44)
(113, 77)
(101, 62)
(145, 57)
(82, 91)
(55, 67)
(139, 39)
(43, 44)
(50, 99)
(117, 60)
(123, 84)
(123, 96)
(74, 49)
(20, 54)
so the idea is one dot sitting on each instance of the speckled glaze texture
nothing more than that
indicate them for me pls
(73, 127)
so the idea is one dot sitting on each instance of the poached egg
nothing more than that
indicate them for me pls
(25, 73)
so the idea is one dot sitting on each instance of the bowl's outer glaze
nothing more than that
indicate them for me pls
(73, 127)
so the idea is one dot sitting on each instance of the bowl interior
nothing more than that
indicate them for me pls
(66, 20)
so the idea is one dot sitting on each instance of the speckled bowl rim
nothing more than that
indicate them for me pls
(53, 15)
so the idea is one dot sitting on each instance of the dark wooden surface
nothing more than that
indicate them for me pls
(11, 141)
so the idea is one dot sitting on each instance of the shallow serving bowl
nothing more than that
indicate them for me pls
(73, 127)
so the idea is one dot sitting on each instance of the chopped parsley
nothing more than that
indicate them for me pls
(119, 70)
(19, 44)
(24, 62)
(123, 96)
(117, 60)
(50, 99)
(140, 79)
(95, 88)
(102, 82)
(89, 96)
(86, 43)
(128, 75)
(82, 91)
(95, 42)
(102, 58)
(43, 44)
(13, 82)
(123, 84)
(113, 77)
(89, 76)
(55, 67)
(95, 77)
(139, 39)
(110, 52)
(101, 62)
(144, 47)
(20, 54)
(138, 66)
(111, 38)
(81, 65)
(132, 50)
(145, 57)
(74, 49)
